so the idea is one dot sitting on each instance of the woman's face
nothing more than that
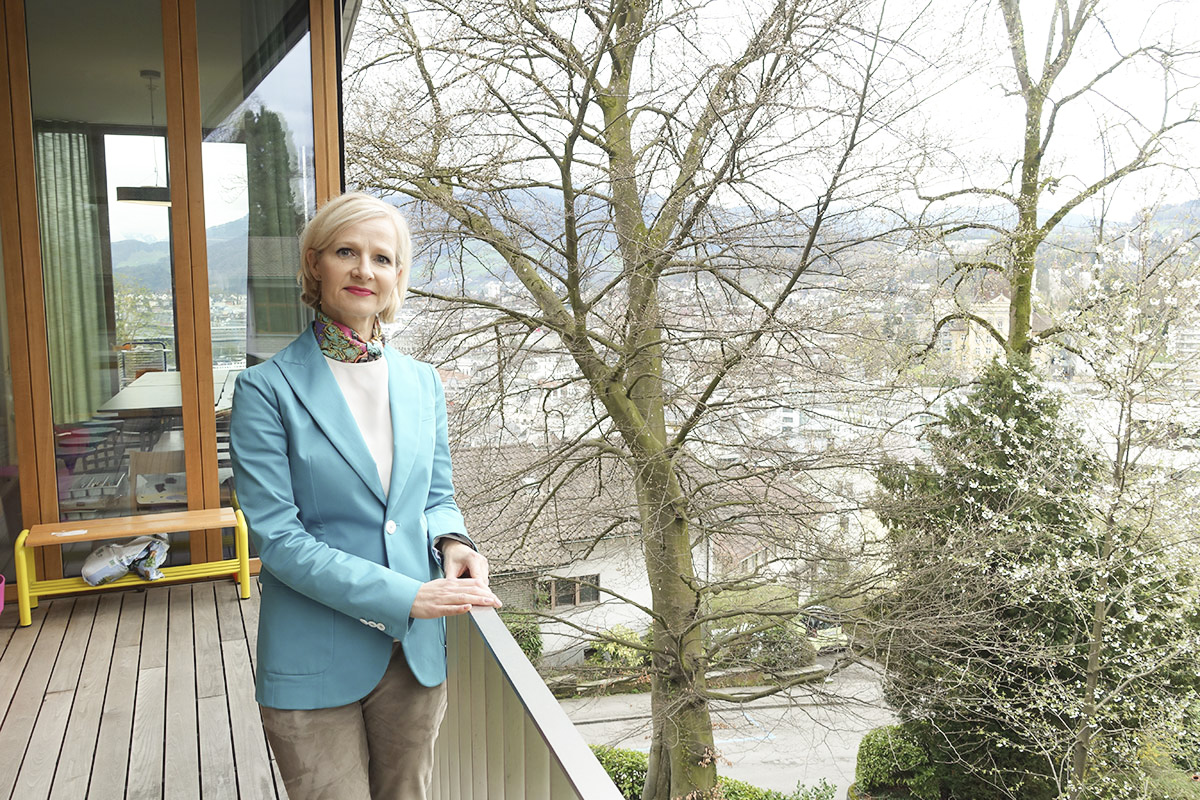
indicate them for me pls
(357, 272)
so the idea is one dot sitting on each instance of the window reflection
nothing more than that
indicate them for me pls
(256, 103)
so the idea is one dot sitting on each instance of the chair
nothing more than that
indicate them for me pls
(141, 356)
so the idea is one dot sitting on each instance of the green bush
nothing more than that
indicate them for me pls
(525, 629)
(782, 648)
(627, 768)
(891, 758)
(606, 652)
(822, 791)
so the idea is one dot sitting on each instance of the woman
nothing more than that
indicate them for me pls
(343, 472)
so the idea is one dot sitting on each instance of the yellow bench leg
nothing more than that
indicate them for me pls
(25, 576)
(242, 545)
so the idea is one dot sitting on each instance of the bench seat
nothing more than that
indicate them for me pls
(29, 589)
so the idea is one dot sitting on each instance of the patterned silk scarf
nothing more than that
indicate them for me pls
(342, 343)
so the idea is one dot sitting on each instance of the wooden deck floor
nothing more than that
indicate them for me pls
(134, 694)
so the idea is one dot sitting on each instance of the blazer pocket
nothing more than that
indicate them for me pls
(295, 633)
(304, 488)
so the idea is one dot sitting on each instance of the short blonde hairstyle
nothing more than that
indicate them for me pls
(333, 218)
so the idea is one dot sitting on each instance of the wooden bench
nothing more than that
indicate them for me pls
(29, 588)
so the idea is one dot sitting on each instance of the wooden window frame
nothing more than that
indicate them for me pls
(551, 586)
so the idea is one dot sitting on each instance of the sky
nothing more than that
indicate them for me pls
(984, 120)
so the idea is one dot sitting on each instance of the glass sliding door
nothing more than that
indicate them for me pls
(102, 174)
(10, 495)
(256, 106)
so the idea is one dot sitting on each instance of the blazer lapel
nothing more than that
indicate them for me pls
(404, 395)
(311, 379)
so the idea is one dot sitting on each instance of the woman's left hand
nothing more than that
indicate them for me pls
(460, 560)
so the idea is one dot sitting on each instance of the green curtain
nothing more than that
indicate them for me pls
(72, 271)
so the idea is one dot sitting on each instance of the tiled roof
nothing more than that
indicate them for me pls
(533, 508)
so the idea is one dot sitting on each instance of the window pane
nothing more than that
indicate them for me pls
(256, 102)
(102, 175)
(564, 593)
(589, 593)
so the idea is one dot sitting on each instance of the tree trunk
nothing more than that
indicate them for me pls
(682, 754)
(1028, 236)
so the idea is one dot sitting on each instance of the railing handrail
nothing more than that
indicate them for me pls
(579, 765)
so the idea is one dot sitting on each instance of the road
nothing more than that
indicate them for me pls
(776, 742)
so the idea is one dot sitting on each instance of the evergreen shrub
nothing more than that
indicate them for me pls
(891, 759)
(525, 629)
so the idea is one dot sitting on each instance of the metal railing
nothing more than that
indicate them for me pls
(505, 737)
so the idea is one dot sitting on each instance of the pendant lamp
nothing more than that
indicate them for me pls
(148, 195)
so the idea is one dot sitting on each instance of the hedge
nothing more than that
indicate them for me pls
(627, 768)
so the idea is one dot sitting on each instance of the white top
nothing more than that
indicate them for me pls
(364, 384)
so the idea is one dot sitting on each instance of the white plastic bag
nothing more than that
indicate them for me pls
(109, 562)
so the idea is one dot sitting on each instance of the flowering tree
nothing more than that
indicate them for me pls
(1034, 639)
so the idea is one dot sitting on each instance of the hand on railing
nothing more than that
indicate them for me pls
(446, 597)
(460, 560)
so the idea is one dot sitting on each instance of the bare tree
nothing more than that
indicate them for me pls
(1079, 77)
(665, 193)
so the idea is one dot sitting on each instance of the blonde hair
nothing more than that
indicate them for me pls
(333, 218)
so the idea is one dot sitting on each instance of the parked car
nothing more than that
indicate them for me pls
(823, 627)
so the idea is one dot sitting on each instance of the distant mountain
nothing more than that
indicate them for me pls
(1179, 214)
(148, 264)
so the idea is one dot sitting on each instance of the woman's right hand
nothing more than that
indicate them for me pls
(446, 597)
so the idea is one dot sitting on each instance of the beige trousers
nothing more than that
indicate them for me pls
(380, 748)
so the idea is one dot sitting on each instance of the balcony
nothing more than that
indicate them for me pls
(150, 694)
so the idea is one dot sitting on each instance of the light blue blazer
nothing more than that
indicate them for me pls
(341, 562)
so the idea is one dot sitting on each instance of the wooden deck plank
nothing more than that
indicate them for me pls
(36, 776)
(217, 780)
(217, 775)
(27, 700)
(145, 780)
(133, 608)
(110, 768)
(65, 676)
(110, 765)
(280, 787)
(250, 623)
(154, 629)
(37, 769)
(229, 612)
(8, 626)
(249, 742)
(210, 678)
(75, 767)
(16, 656)
(182, 758)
